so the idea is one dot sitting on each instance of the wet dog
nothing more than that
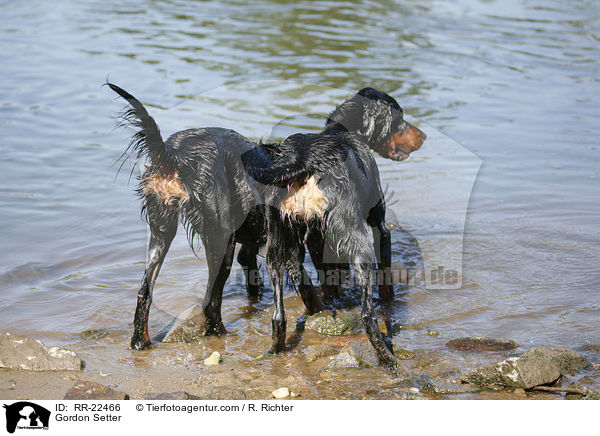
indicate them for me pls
(324, 190)
(197, 176)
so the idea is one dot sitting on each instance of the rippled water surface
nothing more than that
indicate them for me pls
(507, 90)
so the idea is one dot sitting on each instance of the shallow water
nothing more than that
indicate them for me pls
(507, 92)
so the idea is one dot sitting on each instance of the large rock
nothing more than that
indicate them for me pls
(588, 393)
(342, 361)
(21, 352)
(363, 353)
(85, 390)
(334, 323)
(568, 361)
(516, 372)
(481, 343)
(314, 352)
(188, 326)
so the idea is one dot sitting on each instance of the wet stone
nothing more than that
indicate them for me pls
(436, 387)
(568, 361)
(342, 361)
(190, 325)
(334, 323)
(402, 354)
(21, 352)
(516, 372)
(94, 335)
(213, 359)
(314, 352)
(363, 353)
(481, 343)
(588, 393)
(281, 393)
(85, 390)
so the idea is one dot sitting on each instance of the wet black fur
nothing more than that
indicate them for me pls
(340, 159)
(226, 205)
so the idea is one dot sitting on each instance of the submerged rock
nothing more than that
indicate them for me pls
(342, 361)
(403, 354)
(188, 326)
(85, 390)
(516, 372)
(213, 359)
(568, 361)
(481, 343)
(314, 352)
(334, 323)
(21, 352)
(363, 353)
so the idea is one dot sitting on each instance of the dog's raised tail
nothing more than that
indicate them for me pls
(147, 141)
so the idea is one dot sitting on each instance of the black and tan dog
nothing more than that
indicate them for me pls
(331, 195)
(198, 175)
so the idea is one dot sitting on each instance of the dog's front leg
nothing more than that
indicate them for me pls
(306, 288)
(160, 241)
(276, 267)
(383, 250)
(363, 269)
(247, 259)
(278, 322)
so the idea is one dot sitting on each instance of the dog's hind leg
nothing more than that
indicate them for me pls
(247, 259)
(383, 250)
(163, 227)
(306, 287)
(329, 276)
(363, 265)
(219, 255)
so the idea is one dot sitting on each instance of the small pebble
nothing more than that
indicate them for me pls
(213, 359)
(433, 332)
(413, 390)
(281, 393)
(520, 392)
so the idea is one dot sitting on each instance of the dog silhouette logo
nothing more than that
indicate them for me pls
(26, 415)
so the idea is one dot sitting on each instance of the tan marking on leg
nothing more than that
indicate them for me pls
(304, 201)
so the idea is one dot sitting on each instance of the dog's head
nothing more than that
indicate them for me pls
(378, 120)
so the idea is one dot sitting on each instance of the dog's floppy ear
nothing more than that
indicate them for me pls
(368, 122)
(350, 115)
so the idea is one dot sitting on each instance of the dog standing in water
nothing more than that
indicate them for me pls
(325, 190)
(198, 175)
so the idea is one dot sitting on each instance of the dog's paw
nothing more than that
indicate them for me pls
(140, 344)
